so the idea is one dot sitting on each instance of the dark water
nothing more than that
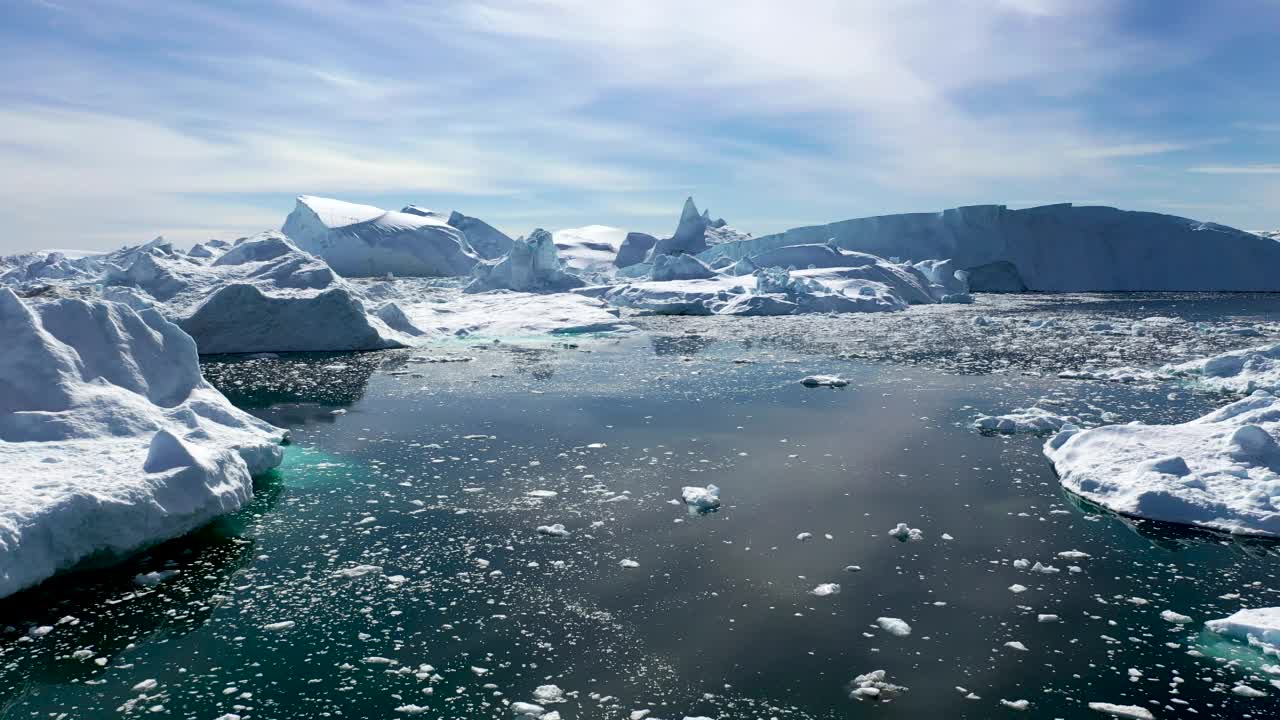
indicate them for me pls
(427, 478)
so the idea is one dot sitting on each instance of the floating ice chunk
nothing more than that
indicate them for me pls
(1218, 471)
(804, 536)
(1016, 704)
(1046, 618)
(541, 494)
(702, 499)
(1016, 588)
(553, 530)
(1238, 371)
(154, 578)
(628, 563)
(1073, 555)
(527, 710)
(904, 533)
(1175, 617)
(1015, 645)
(1245, 691)
(1133, 712)
(1259, 626)
(825, 589)
(548, 694)
(357, 571)
(1045, 569)
(894, 626)
(412, 709)
(824, 381)
(146, 686)
(874, 686)
(852, 568)
(280, 626)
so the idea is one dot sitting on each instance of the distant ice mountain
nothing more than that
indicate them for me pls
(366, 241)
(1055, 248)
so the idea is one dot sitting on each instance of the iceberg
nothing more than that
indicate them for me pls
(366, 241)
(680, 267)
(1256, 626)
(634, 249)
(489, 242)
(1026, 420)
(1054, 248)
(1220, 471)
(532, 265)
(590, 249)
(110, 439)
(261, 294)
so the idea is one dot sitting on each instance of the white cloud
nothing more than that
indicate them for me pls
(1236, 169)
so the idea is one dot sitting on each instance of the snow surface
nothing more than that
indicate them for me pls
(365, 241)
(1055, 248)
(112, 440)
(513, 315)
(1220, 471)
(1256, 626)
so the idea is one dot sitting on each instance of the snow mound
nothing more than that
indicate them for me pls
(590, 249)
(112, 440)
(1055, 248)
(1240, 371)
(1220, 471)
(1026, 420)
(1256, 626)
(489, 242)
(364, 241)
(532, 265)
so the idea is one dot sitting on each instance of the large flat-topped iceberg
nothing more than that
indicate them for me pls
(1055, 248)
(365, 241)
(1221, 471)
(110, 439)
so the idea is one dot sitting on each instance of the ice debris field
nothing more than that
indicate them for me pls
(599, 473)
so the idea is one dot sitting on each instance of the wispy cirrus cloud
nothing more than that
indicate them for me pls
(188, 118)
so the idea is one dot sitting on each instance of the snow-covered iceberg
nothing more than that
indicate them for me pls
(532, 265)
(110, 439)
(487, 241)
(262, 294)
(590, 249)
(634, 249)
(367, 241)
(1220, 471)
(695, 232)
(1255, 626)
(1055, 248)
(680, 267)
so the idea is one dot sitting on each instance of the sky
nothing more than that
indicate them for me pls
(121, 120)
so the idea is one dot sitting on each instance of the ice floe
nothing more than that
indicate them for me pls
(1256, 626)
(1220, 471)
(1026, 420)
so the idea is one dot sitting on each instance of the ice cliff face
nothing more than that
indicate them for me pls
(1055, 248)
(489, 242)
(110, 439)
(365, 241)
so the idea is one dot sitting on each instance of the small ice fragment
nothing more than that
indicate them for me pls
(824, 381)
(1016, 588)
(804, 536)
(904, 533)
(1133, 712)
(280, 626)
(825, 589)
(152, 579)
(1175, 617)
(357, 571)
(1016, 704)
(702, 499)
(1047, 618)
(852, 568)
(894, 626)
(553, 530)
(873, 686)
(548, 694)
(1016, 645)
(628, 563)
(146, 686)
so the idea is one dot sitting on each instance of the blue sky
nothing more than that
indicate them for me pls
(122, 120)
